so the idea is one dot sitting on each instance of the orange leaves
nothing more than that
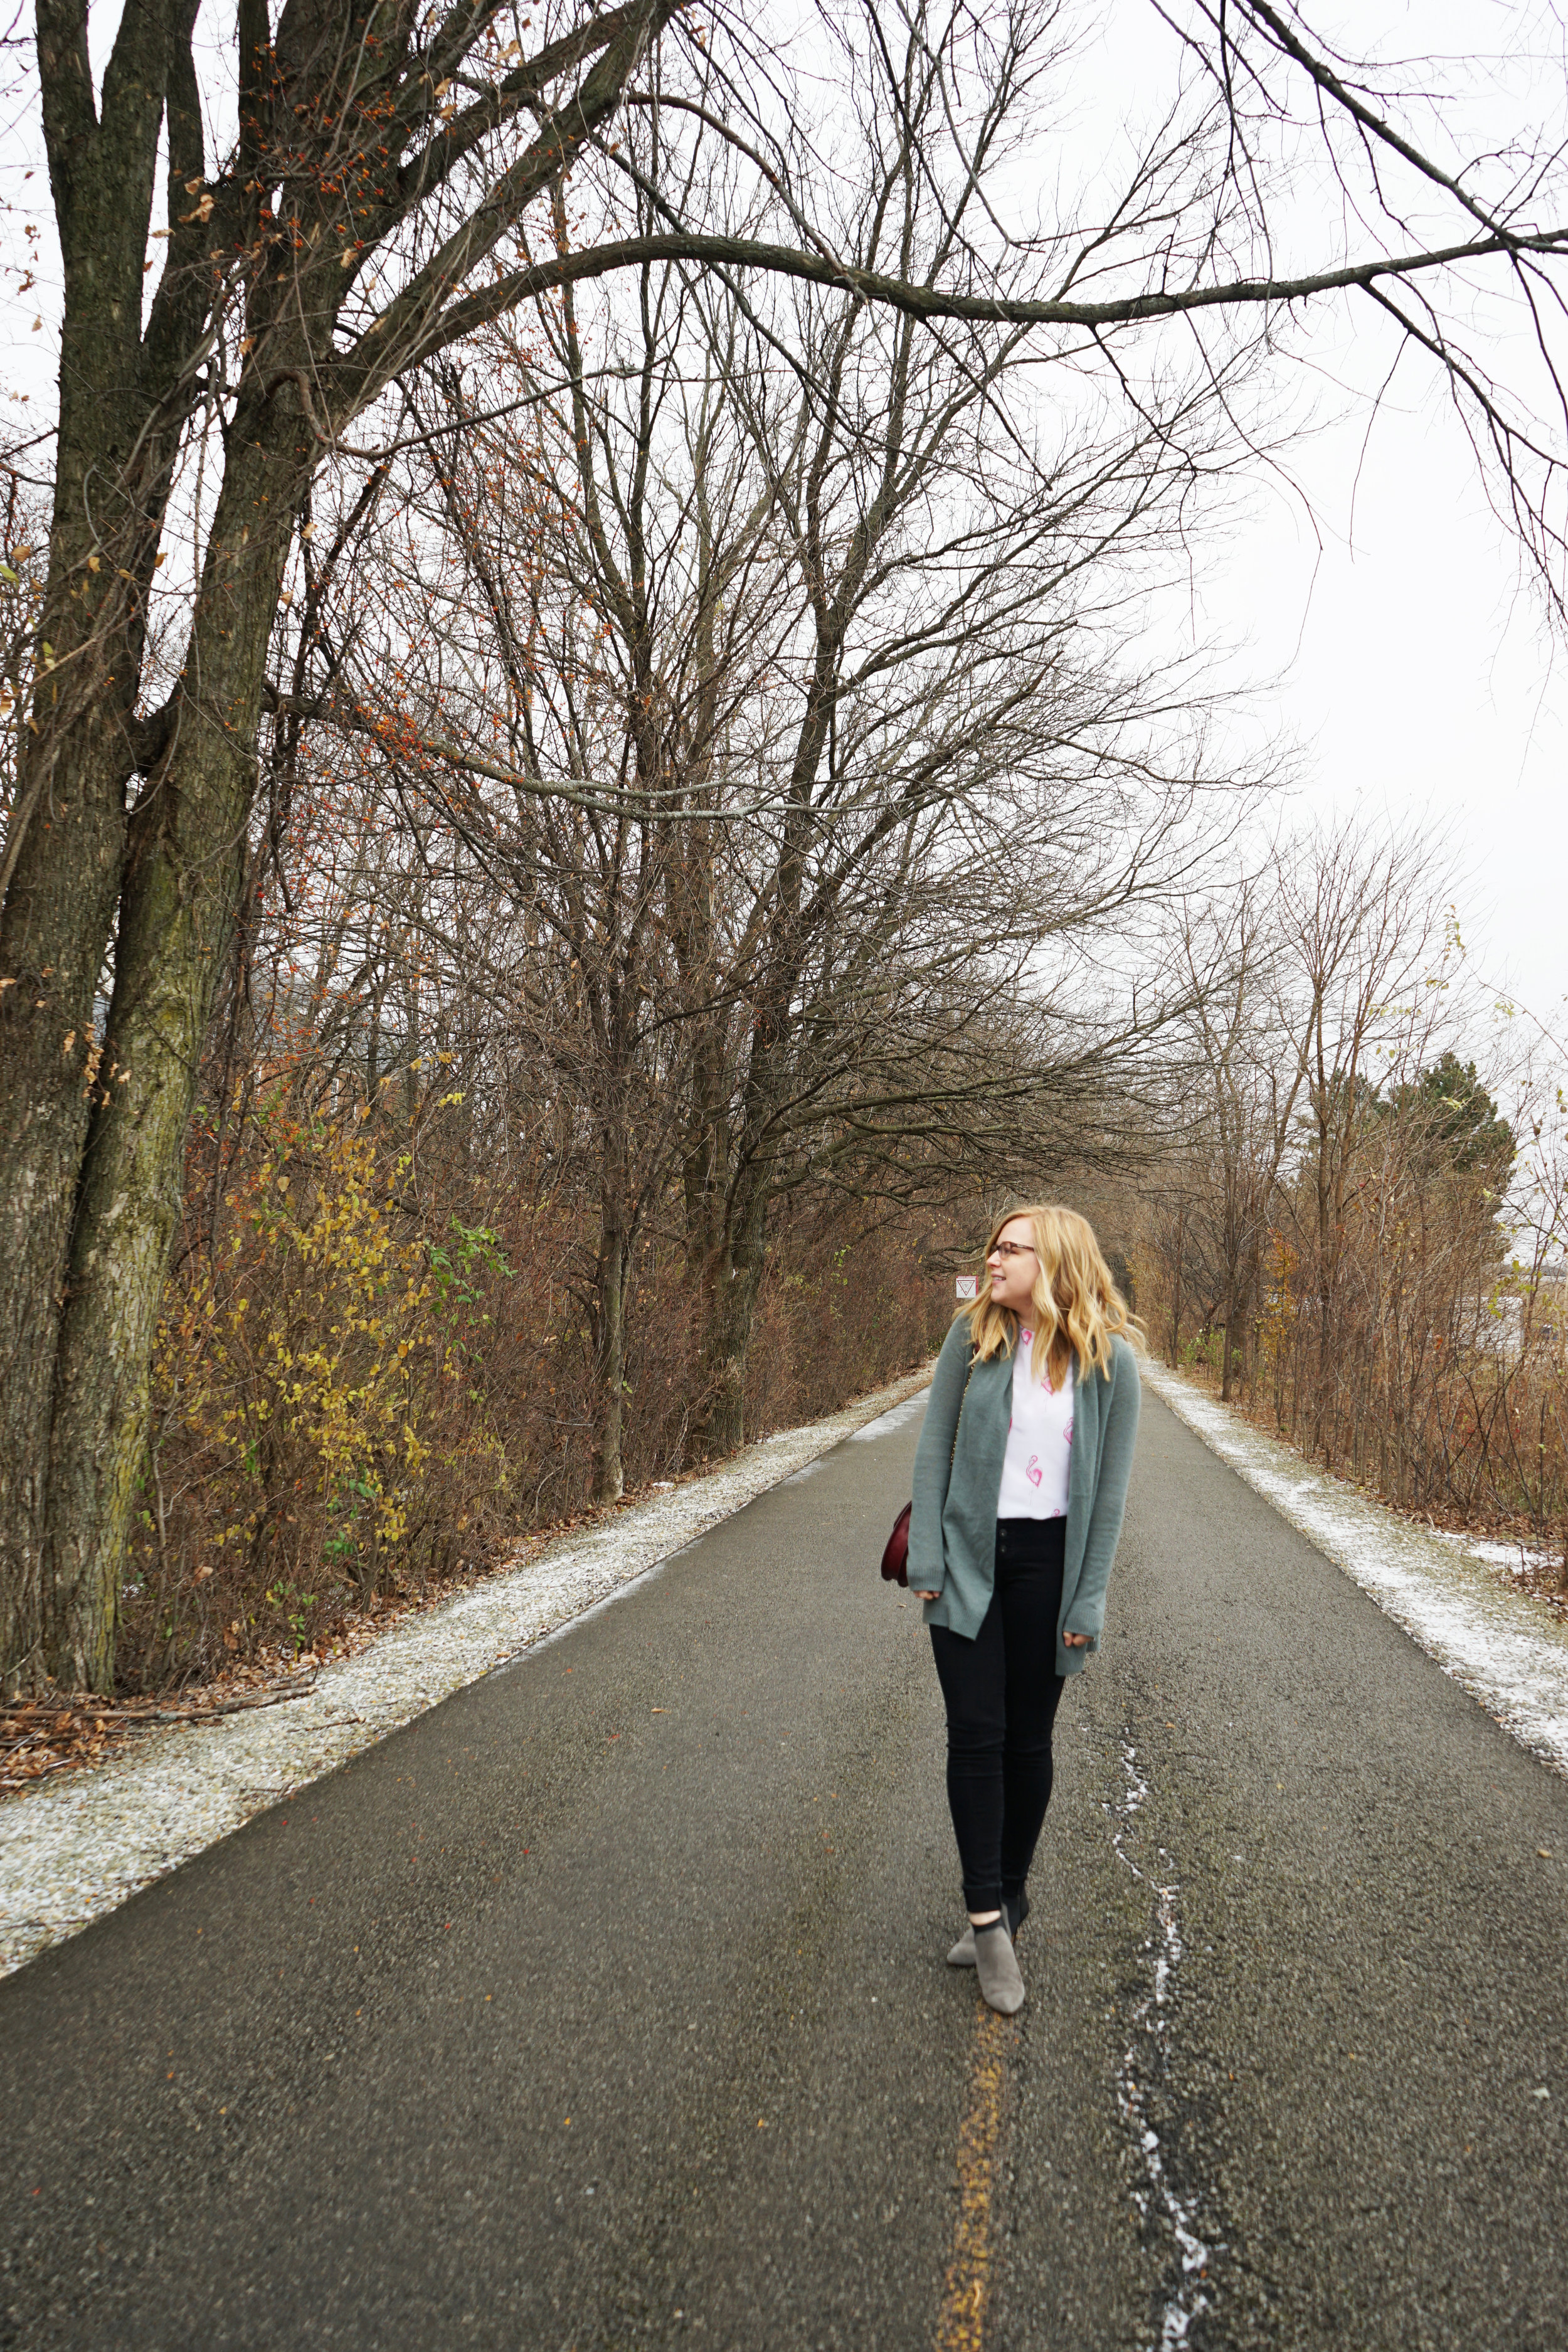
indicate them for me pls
(38, 1736)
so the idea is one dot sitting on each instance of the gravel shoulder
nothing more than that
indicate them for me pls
(1502, 1644)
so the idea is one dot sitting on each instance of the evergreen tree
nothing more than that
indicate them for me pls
(1466, 1134)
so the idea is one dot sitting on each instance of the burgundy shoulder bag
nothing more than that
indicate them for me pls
(896, 1553)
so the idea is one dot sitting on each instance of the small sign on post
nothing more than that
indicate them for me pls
(967, 1285)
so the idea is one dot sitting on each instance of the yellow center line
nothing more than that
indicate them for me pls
(966, 2293)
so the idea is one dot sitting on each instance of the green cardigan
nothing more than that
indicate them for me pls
(953, 1527)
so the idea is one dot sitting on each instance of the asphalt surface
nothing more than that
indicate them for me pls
(606, 2005)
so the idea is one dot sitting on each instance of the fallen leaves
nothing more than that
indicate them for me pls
(76, 1730)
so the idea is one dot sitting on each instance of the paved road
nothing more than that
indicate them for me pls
(606, 2007)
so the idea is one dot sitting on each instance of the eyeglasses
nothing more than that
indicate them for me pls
(1013, 1249)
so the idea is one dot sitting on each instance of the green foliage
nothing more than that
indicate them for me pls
(1463, 1130)
(295, 1606)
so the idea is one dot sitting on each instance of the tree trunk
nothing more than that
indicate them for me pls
(1176, 1271)
(610, 1280)
(184, 871)
(721, 1425)
(67, 836)
(59, 913)
(1227, 1327)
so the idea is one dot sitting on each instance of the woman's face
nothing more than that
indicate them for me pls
(1012, 1266)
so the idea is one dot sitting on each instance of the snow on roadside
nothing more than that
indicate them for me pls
(80, 1845)
(1507, 1647)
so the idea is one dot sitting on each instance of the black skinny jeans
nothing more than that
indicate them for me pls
(1002, 1692)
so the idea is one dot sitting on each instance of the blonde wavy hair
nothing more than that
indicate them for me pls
(1078, 1309)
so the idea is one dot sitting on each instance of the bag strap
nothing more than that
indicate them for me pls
(963, 1400)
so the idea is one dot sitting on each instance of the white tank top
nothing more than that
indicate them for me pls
(1040, 1443)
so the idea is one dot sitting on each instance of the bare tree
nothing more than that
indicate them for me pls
(1359, 920)
(1251, 1072)
(770, 663)
(373, 210)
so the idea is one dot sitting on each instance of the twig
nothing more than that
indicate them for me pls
(223, 1707)
(125, 1715)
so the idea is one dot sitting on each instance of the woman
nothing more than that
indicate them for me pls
(1020, 1483)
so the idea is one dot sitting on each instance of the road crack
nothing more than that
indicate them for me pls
(1145, 2065)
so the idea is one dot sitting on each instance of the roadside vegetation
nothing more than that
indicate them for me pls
(1351, 1242)
(376, 1367)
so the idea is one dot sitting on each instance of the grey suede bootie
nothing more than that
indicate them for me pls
(1001, 1984)
(962, 1953)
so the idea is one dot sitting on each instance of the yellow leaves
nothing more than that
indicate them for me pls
(342, 1344)
(340, 1361)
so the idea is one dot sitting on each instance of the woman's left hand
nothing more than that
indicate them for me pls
(1076, 1640)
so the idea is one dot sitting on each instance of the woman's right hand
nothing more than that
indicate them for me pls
(926, 1596)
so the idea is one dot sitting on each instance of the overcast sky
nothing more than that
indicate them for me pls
(1413, 664)
(1413, 669)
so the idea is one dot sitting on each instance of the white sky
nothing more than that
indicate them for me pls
(1417, 673)
(1412, 666)
(1410, 660)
